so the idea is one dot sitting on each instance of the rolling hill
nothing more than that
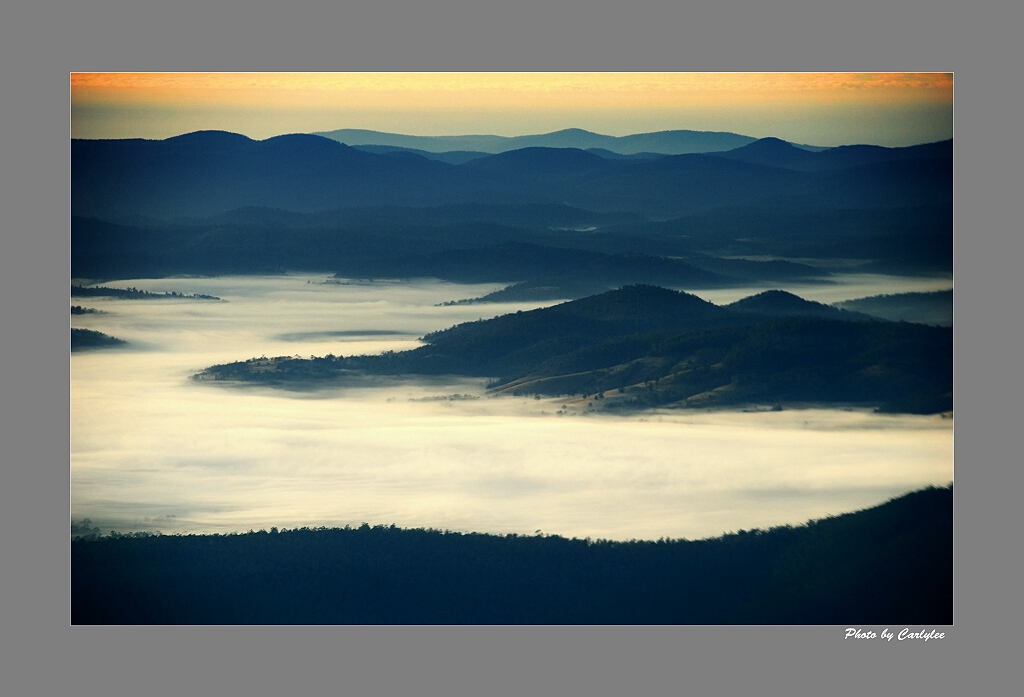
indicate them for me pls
(643, 346)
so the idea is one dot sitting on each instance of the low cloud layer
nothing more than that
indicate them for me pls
(153, 450)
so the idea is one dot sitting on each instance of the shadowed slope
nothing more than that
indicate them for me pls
(833, 571)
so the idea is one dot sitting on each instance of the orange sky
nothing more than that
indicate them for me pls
(816, 108)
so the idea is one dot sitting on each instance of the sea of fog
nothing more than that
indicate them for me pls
(153, 450)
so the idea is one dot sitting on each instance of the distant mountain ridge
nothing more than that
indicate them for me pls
(452, 157)
(774, 152)
(676, 142)
(208, 173)
(934, 308)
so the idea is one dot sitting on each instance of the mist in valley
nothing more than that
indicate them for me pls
(153, 450)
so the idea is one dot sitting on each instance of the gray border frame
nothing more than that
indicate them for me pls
(41, 43)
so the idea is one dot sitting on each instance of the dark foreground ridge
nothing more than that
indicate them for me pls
(892, 564)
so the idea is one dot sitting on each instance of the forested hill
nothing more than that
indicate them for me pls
(779, 303)
(643, 346)
(133, 294)
(628, 310)
(888, 565)
(85, 339)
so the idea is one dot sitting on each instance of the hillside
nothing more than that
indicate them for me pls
(837, 570)
(779, 303)
(642, 346)
(86, 339)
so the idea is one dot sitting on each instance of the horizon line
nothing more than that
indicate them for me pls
(502, 137)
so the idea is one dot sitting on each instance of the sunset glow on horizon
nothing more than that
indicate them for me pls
(816, 108)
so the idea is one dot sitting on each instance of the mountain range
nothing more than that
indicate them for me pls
(216, 202)
(209, 173)
(678, 142)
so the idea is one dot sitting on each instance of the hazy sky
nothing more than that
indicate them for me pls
(814, 108)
